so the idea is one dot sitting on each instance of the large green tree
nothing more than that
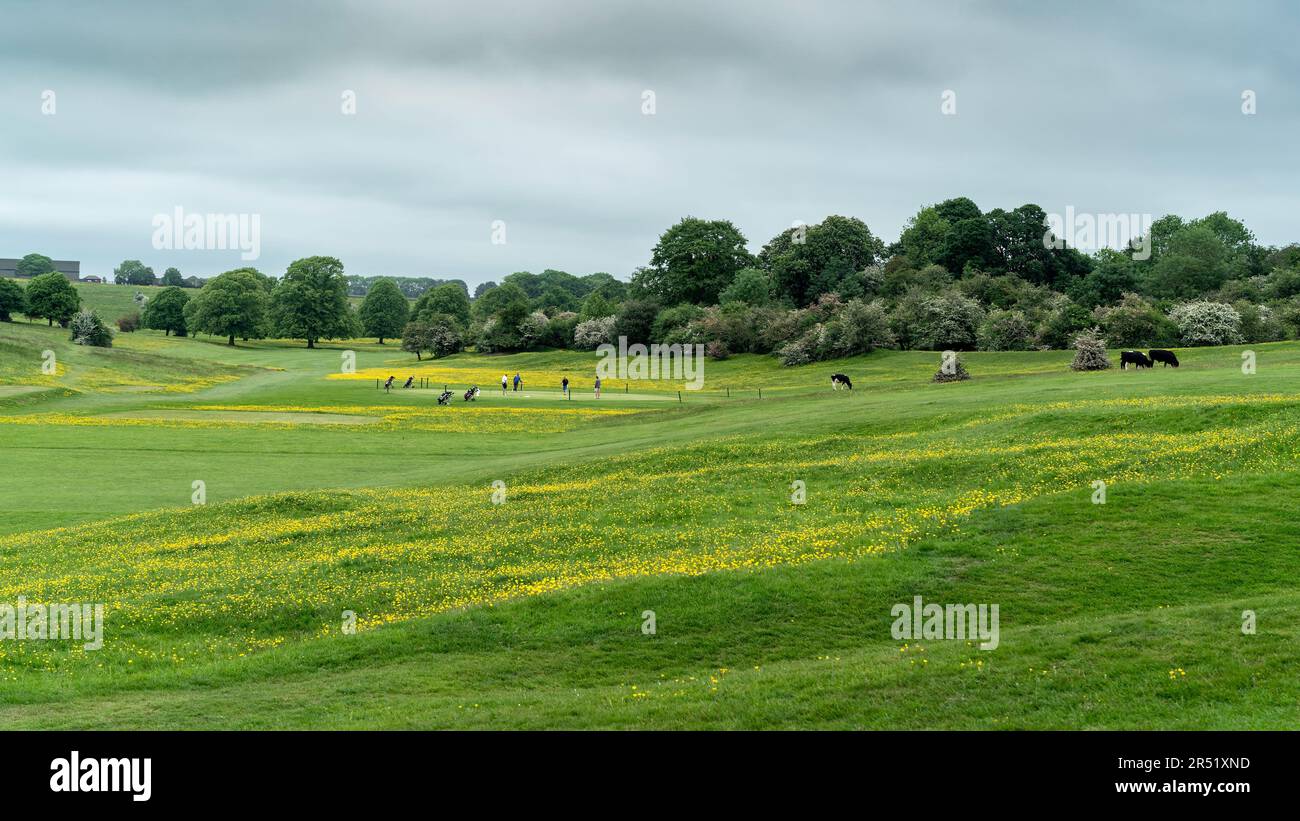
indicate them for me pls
(970, 242)
(133, 272)
(230, 305)
(1193, 263)
(51, 297)
(1114, 274)
(502, 298)
(807, 262)
(311, 302)
(447, 299)
(33, 265)
(384, 311)
(694, 261)
(923, 238)
(957, 209)
(166, 312)
(172, 276)
(12, 300)
(1019, 248)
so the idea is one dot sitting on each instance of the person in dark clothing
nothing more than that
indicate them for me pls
(564, 386)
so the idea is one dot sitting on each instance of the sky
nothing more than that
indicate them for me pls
(487, 138)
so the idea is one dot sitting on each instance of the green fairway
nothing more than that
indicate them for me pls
(327, 496)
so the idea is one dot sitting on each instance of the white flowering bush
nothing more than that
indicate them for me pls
(1090, 352)
(1207, 323)
(589, 335)
(532, 329)
(1005, 331)
(88, 329)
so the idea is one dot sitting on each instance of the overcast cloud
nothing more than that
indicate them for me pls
(531, 113)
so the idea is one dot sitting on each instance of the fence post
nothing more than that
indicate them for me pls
(760, 393)
(679, 397)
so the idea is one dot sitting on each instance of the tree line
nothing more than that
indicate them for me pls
(956, 278)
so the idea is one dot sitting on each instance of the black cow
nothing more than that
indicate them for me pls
(1135, 358)
(1166, 357)
(838, 379)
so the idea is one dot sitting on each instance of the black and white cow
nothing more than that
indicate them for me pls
(1133, 358)
(839, 379)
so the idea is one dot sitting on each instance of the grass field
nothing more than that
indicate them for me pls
(108, 300)
(325, 495)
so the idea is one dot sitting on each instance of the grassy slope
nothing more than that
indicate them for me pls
(782, 616)
(109, 301)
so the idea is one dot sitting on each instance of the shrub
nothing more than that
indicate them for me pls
(636, 320)
(559, 331)
(751, 286)
(954, 372)
(1259, 323)
(671, 321)
(532, 329)
(949, 321)
(439, 334)
(802, 350)
(496, 335)
(1207, 323)
(906, 319)
(128, 323)
(1005, 331)
(1134, 322)
(1283, 283)
(776, 327)
(716, 350)
(589, 335)
(1288, 314)
(1064, 322)
(444, 335)
(860, 327)
(89, 329)
(1090, 352)
(733, 325)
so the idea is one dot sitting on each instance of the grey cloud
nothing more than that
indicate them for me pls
(529, 112)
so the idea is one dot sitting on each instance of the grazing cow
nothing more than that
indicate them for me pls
(838, 379)
(1134, 358)
(1167, 357)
